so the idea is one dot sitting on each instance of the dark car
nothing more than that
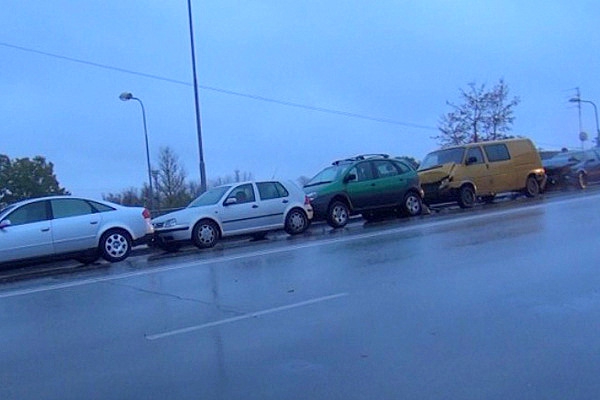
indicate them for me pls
(367, 185)
(559, 167)
(587, 170)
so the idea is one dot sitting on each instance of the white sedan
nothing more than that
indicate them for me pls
(236, 209)
(70, 226)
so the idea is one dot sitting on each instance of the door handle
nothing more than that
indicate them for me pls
(45, 229)
(94, 222)
(372, 184)
(254, 206)
(285, 201)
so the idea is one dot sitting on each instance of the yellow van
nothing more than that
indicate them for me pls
(481, 170)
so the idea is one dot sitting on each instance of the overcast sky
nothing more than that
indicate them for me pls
(396, 61)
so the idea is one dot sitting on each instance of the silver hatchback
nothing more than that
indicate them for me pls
(245, 208)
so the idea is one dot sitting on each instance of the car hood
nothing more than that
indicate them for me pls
(185, 214)
(436, 174)
(316, 188)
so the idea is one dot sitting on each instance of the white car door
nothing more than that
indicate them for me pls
(26, 233)
(274, 200)
(75, 225)
(242, 215)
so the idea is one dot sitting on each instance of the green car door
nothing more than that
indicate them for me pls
(393, 180)
(362, 186)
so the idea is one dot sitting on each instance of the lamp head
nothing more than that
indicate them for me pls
(125, 96)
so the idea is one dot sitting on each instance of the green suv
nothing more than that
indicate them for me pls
(368, 184)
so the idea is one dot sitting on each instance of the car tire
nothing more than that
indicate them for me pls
(412, 205)
(532, 187)
(115, 245)
(466, 196)
(205, 234)
(338, 214)
(296, 222)
(582, 180)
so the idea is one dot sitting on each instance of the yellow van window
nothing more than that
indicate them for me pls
(496, 152)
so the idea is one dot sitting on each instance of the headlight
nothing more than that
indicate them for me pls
(444, 182)
(170, 222)
(312, 195)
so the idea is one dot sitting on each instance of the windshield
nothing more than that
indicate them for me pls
(566, 157)
(210, 197)
(327, 175)
(441, 157)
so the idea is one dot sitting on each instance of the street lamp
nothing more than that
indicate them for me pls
(197, 102)
(126, 96)
(578, 100)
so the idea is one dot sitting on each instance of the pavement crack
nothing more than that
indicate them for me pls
(220, 307)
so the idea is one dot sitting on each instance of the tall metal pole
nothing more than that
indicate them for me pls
(596, 115)
(126, 96)
(579, 100)
(197, 103)
(151, 205)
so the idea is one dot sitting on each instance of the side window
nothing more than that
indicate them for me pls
(243, 193)
(496, 152)
(475, 156)
(64, 208)
(282, 190)
(271, 190)
(402, 167)
(363, 171)
(99, 207)
(29, 213)
(385, 168)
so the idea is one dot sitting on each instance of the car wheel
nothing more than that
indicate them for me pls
(532, 187)
(205, 234)
(338, 214)
(466, 197)
(296, 222)
(115, 245)
(412, 204)
(581, 180)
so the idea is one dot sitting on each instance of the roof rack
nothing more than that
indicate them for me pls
(361, 157)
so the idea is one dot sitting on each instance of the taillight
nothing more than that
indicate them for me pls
(306, 200)
(146, 213)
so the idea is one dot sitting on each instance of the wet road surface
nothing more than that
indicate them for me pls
(500, 303)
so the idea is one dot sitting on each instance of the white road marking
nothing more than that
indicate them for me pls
(460, 219)
(242, 317)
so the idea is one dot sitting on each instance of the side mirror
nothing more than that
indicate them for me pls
(230, 201)
(5, 223)
(350, 177)
(471, 160)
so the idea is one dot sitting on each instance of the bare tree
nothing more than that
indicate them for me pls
(169, 180)
(128, 197)
(483, 115)
(500, 116)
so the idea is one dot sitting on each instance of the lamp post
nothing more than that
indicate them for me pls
(197, 102)
(126, 96)
(578, 100)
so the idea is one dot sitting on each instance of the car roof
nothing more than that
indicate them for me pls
(34, 199)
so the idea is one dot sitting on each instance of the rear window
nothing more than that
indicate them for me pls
(496, 152)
